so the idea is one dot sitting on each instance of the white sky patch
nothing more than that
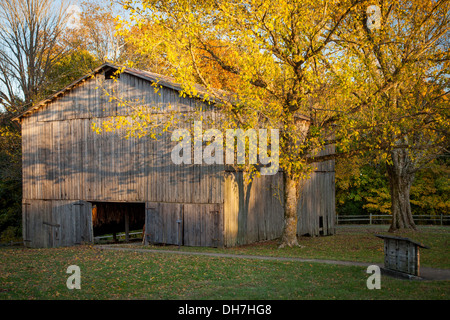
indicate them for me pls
(74, 12)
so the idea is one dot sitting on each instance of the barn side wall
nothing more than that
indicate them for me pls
(255, 212)
(65, 162)
(317, 205)
(64, 159)
(188, 224)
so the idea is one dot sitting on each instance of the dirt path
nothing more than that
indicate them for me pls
(426, 273)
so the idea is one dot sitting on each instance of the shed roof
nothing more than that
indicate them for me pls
(404, 239)
(165, 81)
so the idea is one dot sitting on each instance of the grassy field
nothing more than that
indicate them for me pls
(41, 273)
(350, 243)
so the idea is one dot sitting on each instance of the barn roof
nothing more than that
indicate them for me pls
(165, 81)
(146, 75)
(421, 245)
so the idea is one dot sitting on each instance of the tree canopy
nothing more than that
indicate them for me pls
(370, 77)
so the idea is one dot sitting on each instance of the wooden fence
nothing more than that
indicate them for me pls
(119, 236)
(386, 219)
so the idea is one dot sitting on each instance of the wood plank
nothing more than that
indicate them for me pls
(71, 162)
(25, 160)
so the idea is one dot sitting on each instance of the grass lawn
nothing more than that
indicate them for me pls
(350, 243)
(41, 273)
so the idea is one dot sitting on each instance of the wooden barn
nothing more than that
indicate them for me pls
(78, 184)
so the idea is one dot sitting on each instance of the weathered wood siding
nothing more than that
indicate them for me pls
(252, 212)
(316, 209)
(48, 223)
(401, 256)
(66, 163)
(189, 224)
(65, 160)
(255, 212)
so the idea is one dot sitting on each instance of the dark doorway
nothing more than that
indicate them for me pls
(321, 232)
(110, 219)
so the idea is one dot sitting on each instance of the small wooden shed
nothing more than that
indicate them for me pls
(77, 183)
(401, 255)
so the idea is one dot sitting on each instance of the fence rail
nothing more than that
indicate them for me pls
(119, 235)
(386, 218)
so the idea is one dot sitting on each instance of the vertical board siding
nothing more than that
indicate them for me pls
(317, 200)
(65, 162)
(402, 255)
(252, 212)
(49, 223)
(184, 224)
(161, 222)
(255, 212)
(64, 159)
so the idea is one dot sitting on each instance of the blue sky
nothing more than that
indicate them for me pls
(67, 3)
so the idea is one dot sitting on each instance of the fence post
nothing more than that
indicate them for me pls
(370, 219)
(441, 220)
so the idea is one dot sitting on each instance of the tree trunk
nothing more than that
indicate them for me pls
(289, 236)
(401, 178)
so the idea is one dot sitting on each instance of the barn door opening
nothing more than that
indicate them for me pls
(118, 221)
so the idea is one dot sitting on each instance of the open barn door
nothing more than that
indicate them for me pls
(112, 219)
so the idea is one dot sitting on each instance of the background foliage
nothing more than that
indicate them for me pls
(362, 188)
(361, 183)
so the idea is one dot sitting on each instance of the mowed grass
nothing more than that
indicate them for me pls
(350, 243)
(106, 274)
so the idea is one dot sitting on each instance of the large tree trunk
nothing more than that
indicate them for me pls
(289, 236)
(401, 177)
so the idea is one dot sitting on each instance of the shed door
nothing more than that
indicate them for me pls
(161, 224)
(184, 224)
(72, 222)
(203, 225)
